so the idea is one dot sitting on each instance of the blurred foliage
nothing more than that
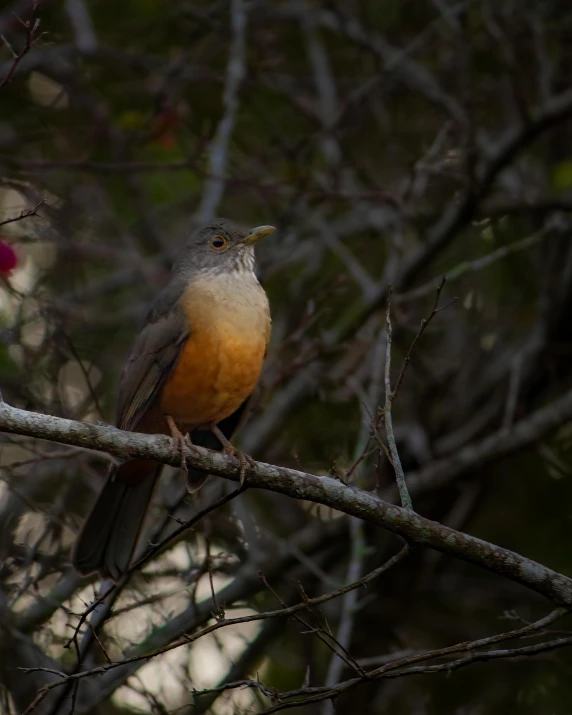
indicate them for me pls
(364, 131)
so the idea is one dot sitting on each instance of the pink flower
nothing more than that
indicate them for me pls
(8, 259)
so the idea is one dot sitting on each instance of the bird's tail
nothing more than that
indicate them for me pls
(109, 536)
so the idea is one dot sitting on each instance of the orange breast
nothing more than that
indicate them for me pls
(220, 364)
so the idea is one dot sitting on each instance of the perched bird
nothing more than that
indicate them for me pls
(192, 369)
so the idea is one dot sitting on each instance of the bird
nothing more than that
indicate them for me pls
(190, 373)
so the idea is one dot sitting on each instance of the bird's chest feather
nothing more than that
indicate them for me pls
(220, 363)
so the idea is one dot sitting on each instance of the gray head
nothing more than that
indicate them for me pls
(221, 246)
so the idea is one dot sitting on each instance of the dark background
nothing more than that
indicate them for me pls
(391, 143)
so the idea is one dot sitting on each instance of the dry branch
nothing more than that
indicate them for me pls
(300, 485)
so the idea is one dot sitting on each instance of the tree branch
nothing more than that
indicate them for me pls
(214, 186)
(31, 27)
(300, 485)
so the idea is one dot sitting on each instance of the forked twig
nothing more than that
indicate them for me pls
(424, 323)
(390, 393)
(31, 26)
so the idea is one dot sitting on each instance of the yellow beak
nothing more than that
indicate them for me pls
(257, 234)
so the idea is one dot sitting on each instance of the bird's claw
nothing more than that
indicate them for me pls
(190, 445)
(181, 441)
(244, 461)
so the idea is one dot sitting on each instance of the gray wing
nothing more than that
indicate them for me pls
(152, 357)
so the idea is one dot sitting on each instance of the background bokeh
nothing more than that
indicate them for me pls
(391, 143)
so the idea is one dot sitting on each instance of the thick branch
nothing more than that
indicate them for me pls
(299, 485)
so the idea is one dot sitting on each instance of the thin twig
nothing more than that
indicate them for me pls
(476, 265)
(24, 214)
(187, 639)
(236, 684)
(218, 612)
(325, 636)
(406, 502)
(424, 323)
(513, 390)
(31, 26)
(356, 527)
(396, 667)
(236, 69)
(349, 602)
(151, 552)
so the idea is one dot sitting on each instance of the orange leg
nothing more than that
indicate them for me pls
(227, 448)
(181, 441)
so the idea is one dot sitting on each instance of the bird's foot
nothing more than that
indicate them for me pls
(182, 441)
(243, 459)
(189, 442)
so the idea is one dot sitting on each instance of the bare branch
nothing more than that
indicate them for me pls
(395, 459)
(395, 668)
(214, 187)
(323, 490)
(31, 26)
(24, 214)
(424, 323)
(478, 264)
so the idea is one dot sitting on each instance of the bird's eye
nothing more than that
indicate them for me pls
(218, 242)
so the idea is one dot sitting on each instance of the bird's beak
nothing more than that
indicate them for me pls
(257, 234)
